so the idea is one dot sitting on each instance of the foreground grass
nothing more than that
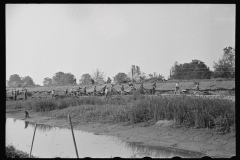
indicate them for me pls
(11, 152)
(198, 112)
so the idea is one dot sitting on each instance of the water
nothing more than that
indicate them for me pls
(50, 142)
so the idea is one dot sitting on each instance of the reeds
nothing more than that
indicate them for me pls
(198, 112)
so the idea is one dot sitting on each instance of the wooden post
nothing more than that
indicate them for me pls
(73, 136)
(33, 140)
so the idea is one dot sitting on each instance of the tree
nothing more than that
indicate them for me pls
(150, 75)
(98, 76)
(68, 78)
(120, 78)
(61, 78)
(109, 80)
(225, 67)
(160, 76)
(47, 81)
(27, 81)
(57, 78)
(135, 73)
(193, 70)
(85, 79)
(14, 80)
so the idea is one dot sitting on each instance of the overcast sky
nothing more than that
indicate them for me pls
(42, 39)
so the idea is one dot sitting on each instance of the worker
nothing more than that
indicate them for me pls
(94, 91)
(154, 88)
(111, 89)
(177, 87)
(66, 92)
(130, 84)
(52, 93)
(122, 90)
(197, 86)
(85, 90)
(15, 95)
(71, 91)
(25, 94)
(26, 114)
(106, 92)
(104, 88)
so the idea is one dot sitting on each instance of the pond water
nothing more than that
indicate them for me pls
(50, 142)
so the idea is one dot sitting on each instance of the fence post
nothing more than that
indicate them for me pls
(73, 136)
(33, 140)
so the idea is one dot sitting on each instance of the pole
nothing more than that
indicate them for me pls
(73, 136)
(33, 140)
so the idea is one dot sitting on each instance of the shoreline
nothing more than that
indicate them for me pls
(174, 137)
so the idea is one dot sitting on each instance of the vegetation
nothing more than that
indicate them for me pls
(120, 78)
(218, 114)
(12, 152)
(61, 78)
(225, 67)
(98, 76)
(194, 70)
(85, 79)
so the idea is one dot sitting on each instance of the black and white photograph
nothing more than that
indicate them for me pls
(108, 80)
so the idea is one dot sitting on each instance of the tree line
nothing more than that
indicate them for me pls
(224, 68)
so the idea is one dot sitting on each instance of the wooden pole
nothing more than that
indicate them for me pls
(73, 136)
(33, 140)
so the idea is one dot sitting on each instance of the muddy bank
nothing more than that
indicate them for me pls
(150, 134)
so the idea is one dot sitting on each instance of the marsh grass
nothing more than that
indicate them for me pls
(198, 112)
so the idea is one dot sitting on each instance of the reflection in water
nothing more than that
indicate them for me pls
(53, 142)
(26, 124)
(141, 150)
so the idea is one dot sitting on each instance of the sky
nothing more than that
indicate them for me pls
(43, 39)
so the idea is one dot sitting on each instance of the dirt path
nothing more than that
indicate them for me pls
(151, 134)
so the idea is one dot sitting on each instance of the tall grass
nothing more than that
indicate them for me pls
(196, 112)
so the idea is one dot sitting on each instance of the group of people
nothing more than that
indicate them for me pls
(177, 89)
(106, 90)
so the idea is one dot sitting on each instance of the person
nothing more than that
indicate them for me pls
(111, 89)
(132, 89)
(12, 92)
(94, 91)
(26, 114)
(104, 88)
(85, 90)
(197, 86)
(130, 84)
(122, 90)
(66, 92)
(25, 94)
(15, 95)
(106, 92)
(71, 91)
(177, 87)
(154, 88)
(53, 92)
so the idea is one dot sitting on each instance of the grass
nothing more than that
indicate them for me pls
(198, 112)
